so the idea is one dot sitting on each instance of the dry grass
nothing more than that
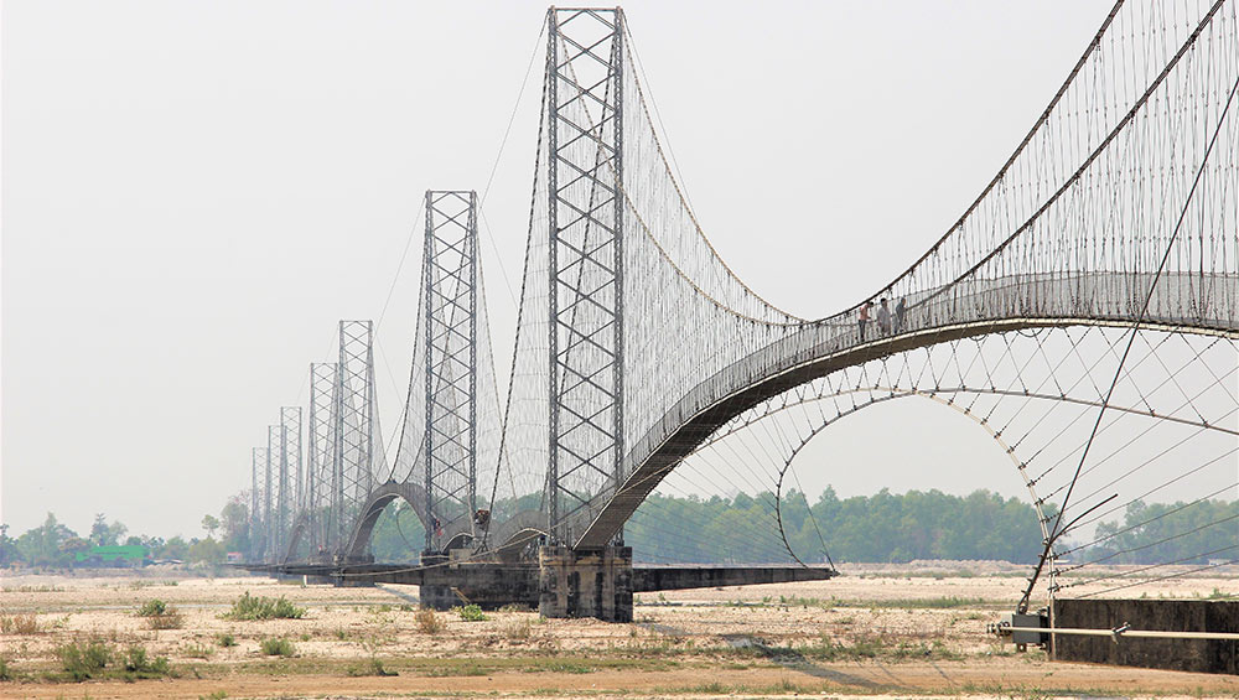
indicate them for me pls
(20, 624)
(428, 622)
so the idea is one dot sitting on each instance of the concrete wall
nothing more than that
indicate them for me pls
(1198, 655)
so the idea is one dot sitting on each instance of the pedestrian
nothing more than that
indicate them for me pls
(884, 318)
(900, 310)
(864, 318)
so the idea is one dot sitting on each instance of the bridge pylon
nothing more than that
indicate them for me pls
(450, 278)
(584, 127)
(355, 425)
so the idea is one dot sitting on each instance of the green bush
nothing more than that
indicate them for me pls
(471, 613)
(84, 660)
(160, 616)
(94, 658)
(152, 608)
(278, 647)
(138, 664)
(6, 673)
(249, 607)
(226, 639)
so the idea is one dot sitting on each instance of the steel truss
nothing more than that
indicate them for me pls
(321, 456)
(290, 497)
(585, 210)
(450, 275)
(274, 454)
(258, 460)
(355, 424)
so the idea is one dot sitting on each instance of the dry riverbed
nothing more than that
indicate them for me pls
(917, 630)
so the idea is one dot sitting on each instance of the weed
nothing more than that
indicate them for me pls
(226, 639)
(249, 607)
(19, 624)
(6, 673)
(515, 608)
(217, 695)
(470, 613)
(428, 622)
(277, 646)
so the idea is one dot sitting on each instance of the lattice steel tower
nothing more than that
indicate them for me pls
(321, 455)
(290, 474)
(355, 424)
(450, 276)
(258, 459)
(584, 108)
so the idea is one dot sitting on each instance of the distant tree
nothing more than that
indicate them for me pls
(234, 521)
(174, 548)
(133, 541)
(206, 551)
(40, 546)
(210, 523)
(9, 553)
(105, 535)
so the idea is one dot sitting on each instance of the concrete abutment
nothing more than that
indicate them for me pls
(586, 583)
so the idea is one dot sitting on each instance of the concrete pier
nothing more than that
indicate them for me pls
(586, 583)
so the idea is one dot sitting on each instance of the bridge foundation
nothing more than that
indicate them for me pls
(586, 583)
(436, 596)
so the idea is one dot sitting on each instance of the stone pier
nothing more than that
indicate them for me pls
(586, 583)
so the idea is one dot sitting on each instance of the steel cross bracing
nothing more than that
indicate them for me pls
(290, 498)
(258, 460)
(274, 454)
(450, 276)
(355, 423)
(585, 215)
(321, 453)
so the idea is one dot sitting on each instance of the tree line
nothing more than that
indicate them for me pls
(884, 527)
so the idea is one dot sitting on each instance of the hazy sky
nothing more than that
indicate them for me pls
(195, 192)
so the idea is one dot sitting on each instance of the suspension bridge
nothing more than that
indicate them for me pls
(1083, 311)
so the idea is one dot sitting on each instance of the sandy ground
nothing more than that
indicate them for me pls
(926, 625)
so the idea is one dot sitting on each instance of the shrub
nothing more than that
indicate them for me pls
(152, 608)
(249, 607)
(470, 613)
(138, 664)
(277, 646)
(94, 658)
(161, 616)
(226, 639)
(84, 660)
(428, 622)
(19, 624)
(6, 673)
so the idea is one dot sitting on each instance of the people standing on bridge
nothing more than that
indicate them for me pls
(863, 319)
(901, 309)
(884, 318)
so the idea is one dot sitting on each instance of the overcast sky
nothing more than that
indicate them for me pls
(194, 193)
